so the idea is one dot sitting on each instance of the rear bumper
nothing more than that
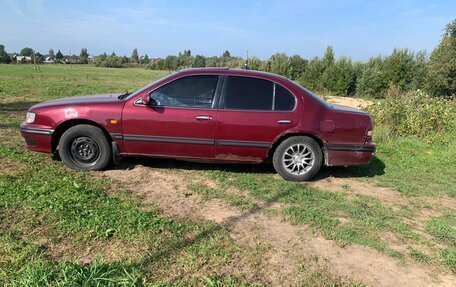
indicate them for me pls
(37, 139)
(345, 155)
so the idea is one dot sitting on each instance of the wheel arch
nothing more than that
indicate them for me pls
(64, 126)
(293, 134)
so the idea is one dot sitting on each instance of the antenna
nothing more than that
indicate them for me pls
(246, 64)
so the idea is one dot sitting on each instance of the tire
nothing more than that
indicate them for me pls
(298, 158)
(85, 147)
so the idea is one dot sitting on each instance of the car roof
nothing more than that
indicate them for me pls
(235, 72)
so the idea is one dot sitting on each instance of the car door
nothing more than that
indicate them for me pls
(253, 113)
(179, 122)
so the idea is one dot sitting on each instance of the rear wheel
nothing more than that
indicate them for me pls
(298, 158)
(84, 147)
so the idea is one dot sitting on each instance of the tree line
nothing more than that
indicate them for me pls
(403, 69)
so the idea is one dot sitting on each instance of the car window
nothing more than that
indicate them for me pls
(283, 99)
(242, 93)
(191, 91)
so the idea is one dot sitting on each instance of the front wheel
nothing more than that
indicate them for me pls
(84, 147)
(298, 158)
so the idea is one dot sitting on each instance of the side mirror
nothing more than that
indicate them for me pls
(146, 99)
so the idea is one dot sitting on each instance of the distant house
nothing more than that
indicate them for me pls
(154, 60)
(71, 59)
(23, 59)
(48, 59)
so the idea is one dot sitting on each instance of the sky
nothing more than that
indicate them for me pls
(355, 28)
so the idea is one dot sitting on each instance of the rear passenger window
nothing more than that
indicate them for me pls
(284, 100)
(244, 93)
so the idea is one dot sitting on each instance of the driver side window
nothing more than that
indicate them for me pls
(192, 91)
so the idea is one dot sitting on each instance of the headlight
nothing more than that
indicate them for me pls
(30, 117)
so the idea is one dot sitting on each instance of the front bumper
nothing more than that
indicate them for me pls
(37, 138)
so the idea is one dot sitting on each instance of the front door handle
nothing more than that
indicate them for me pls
(204, 118)
(284, 122)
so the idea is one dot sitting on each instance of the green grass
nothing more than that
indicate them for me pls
(50, 216)
(42, 204)
(21, 85)
(359, 220)
(412, 166)
(443, 228)
(42, 198)
(419, 255)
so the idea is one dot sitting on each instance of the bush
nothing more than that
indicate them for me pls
(414, 113)
(441, 72)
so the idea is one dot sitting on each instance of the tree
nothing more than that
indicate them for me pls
(146, 60)
(279, 64)
(328, 76)
(372, 81)
(84, 56)
(184, 59)
(441, 72)
(134, 56)
(4, 58)
(328, 59)
(311, 76)
(59, 55)
(419, 72)
(212, 61)
(39, 58)
(297, 66)
(398, 69)
(170, 63)
(160, 63)
(51, 53)
(344, 77)
(226, 54)
(254, 63)
(27, 52)
(199, 61)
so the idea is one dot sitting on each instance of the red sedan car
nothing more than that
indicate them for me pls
(216, 114)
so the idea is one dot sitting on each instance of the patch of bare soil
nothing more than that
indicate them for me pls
(349, 102)
(353, 187)
(441, 201)
(390, 197)
(288, 246)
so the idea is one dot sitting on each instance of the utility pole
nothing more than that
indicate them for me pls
(36, 66)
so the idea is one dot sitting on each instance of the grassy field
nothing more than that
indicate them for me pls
(22, 86)
(54, 220)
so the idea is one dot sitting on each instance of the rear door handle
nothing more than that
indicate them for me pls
(204, 118)
(284, 122)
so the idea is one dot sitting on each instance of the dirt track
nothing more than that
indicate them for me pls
(288, 246)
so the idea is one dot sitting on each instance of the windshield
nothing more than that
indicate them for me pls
(149, 85)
